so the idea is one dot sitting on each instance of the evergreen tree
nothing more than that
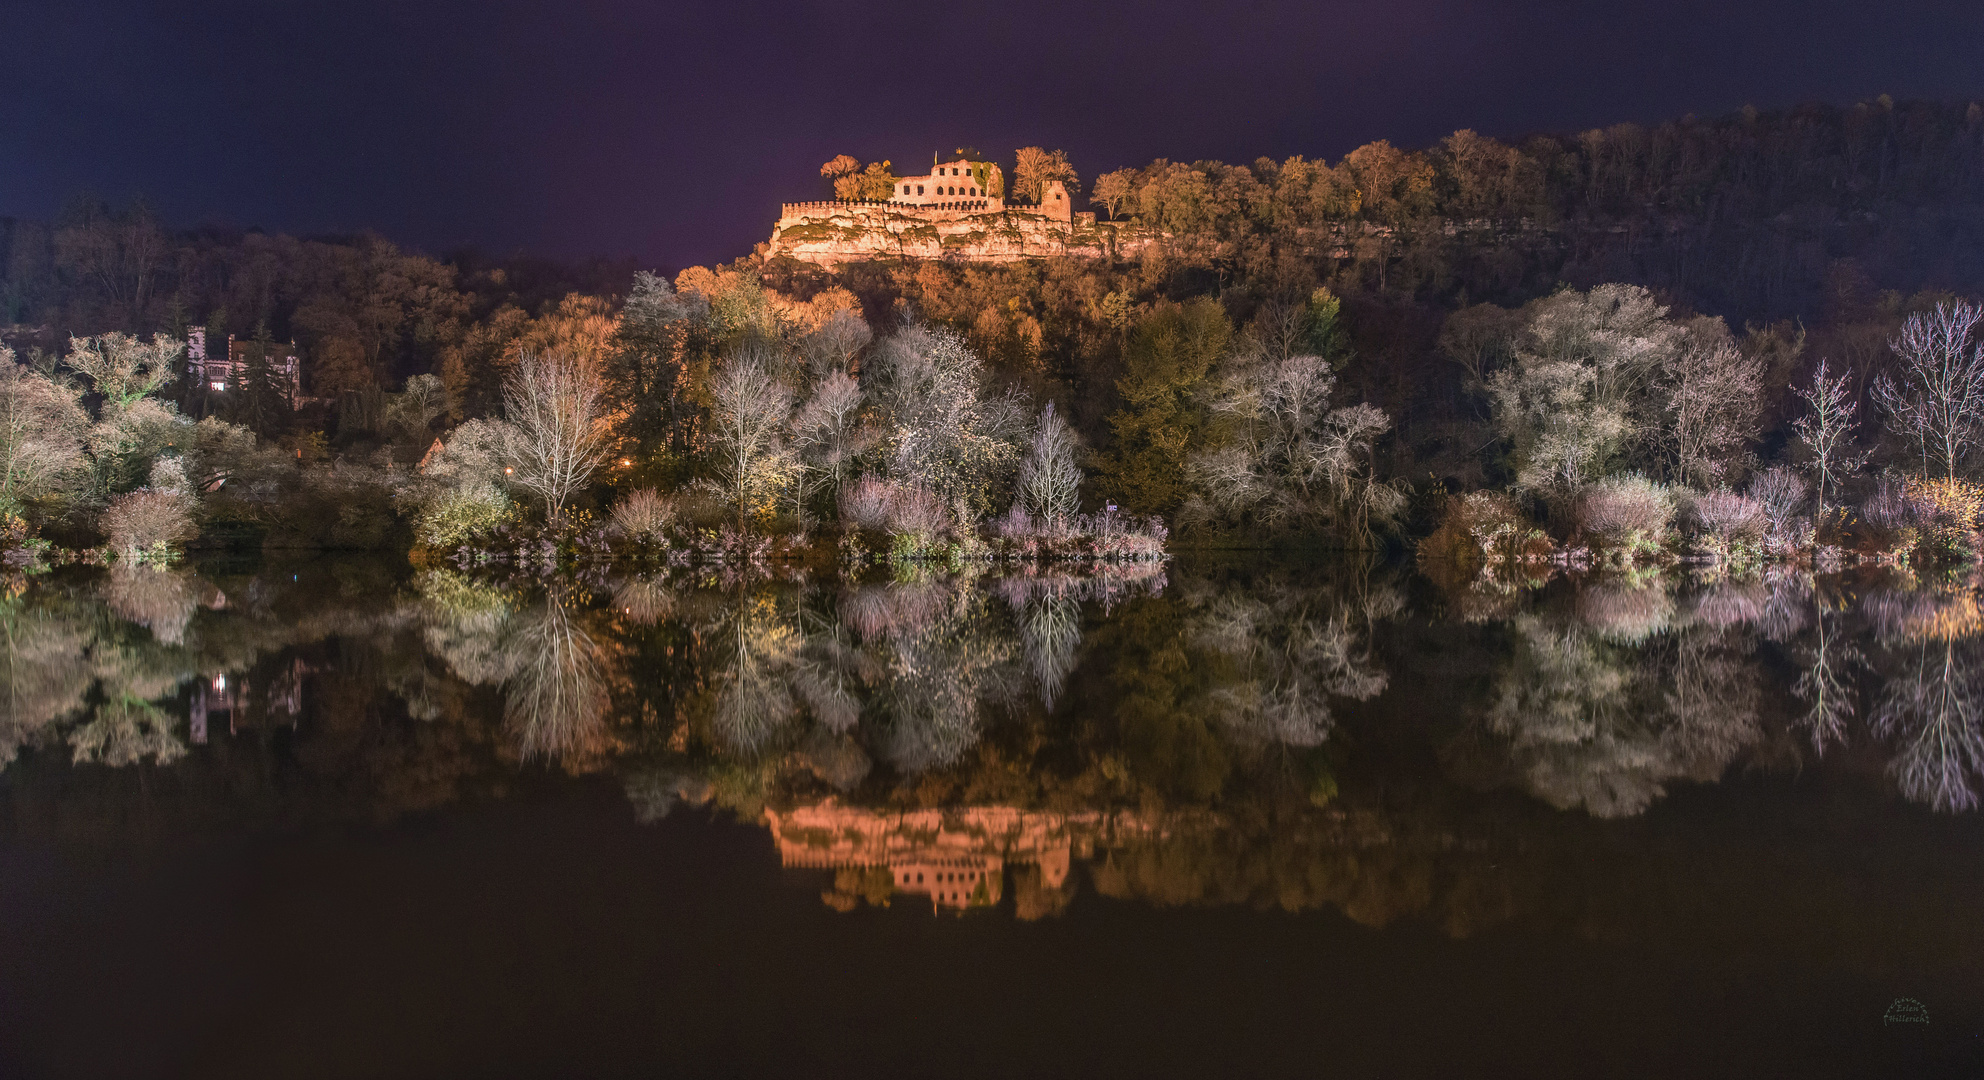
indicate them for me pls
(1168, 358)
(261, 388)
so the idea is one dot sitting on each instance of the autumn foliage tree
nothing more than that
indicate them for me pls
(1035, 168)
(853, 182)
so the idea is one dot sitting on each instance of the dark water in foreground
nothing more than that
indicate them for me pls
(345, 819)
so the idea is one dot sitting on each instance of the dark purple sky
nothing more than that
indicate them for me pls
(672, 131)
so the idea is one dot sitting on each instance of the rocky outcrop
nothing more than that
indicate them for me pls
(832, 233)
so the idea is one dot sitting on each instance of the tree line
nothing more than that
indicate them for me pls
(1307, 352)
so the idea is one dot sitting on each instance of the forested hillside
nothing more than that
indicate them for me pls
(1309, 349)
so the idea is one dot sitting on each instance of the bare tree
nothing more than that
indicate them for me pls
(1826, 433)
(1715, 400)
(828, 434)
(120, 256)
(122, 368)
(1938, 402)
(942, 430)
(147, 524)
(834, 344)
(556, 431)
(1578, 396)
(41, 433)
(1050, 478)
(748, 427)
(1293, 461)
(1480, 339)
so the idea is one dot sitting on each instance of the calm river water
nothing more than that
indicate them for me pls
(1220, 818)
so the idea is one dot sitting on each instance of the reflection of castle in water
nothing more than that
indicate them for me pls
(226, 696)
(956, 857)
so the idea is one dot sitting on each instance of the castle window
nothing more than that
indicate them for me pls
(919, 189)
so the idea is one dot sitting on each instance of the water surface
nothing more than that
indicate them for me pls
(1227, 817)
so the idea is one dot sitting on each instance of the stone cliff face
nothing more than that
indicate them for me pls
(830, 233)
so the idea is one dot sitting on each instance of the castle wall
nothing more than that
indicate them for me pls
(828, 233)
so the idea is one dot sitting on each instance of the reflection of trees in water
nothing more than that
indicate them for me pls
(465, 625)
(1828, 659)
(89, 664)
(643, 600)
(772, 659)
(1644, 686)
(941, 656)
(1049, 617)
(900, 671)
(550, 666)
(1602, 711)
(1928, 706)
(827, 679)
(1046, 603)
(1603, 699)
(161, 601)
(45, 664)
(1626, 612)
(1930, 709)
(124, 732)
(131, 669)
(554, 700)
(1292, 649)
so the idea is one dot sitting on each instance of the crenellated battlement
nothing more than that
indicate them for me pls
(833, 207)
(823, 207)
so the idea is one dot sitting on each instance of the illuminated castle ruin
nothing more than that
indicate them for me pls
(957, 211)
(958, 858)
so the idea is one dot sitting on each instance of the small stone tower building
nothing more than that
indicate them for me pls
(1054, 201)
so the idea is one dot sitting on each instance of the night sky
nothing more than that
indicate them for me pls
(672, 132)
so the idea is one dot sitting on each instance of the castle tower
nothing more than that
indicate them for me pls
(1054, 201)
(196, 354)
